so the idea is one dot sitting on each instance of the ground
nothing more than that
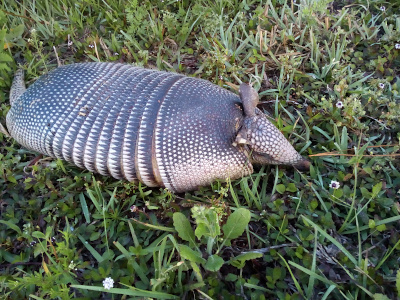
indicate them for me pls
(328, 77)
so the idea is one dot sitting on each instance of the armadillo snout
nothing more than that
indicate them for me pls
(303, 165)
(267, 144)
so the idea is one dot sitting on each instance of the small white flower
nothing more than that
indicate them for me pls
(382, 8)
(334, 185)
(108, 283)
(91, 46)
(220, 77)
(339, 104)
(116, 54)
(397, 46)
(33, 30)
(71, 265)
(381, 85)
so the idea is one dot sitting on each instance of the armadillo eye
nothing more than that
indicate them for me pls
(262, 158)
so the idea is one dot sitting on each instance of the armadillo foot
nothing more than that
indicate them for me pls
(4, 130)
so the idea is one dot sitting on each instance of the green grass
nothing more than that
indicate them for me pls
(278, 234)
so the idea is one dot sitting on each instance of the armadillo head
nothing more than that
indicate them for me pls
(266, 143)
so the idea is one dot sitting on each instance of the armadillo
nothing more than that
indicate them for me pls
(161, 128)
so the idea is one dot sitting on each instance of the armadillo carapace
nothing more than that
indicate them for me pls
(161, 128)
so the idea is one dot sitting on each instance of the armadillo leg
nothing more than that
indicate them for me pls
(3, 130)
(18, 86)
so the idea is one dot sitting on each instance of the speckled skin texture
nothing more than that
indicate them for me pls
(161, 128)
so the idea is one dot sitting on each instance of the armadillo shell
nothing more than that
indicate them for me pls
(161, 128)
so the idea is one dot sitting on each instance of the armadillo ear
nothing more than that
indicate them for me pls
(249, 97)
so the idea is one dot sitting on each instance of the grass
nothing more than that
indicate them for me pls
(328, 76)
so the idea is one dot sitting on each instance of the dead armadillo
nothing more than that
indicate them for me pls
(161, 128)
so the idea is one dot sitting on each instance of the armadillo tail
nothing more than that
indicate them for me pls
(18, 86)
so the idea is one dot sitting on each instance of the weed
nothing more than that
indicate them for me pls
(328, 77)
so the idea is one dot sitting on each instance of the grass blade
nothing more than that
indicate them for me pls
(332, 240)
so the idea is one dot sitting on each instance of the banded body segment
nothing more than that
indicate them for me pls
(114, 159)
(96, 118)
(68, 125)
(110, 112)
(155, 93)
(86, 116)
(75, 94)
(129, 144)
(111, 91)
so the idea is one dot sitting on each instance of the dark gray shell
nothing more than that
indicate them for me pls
(161, 128)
